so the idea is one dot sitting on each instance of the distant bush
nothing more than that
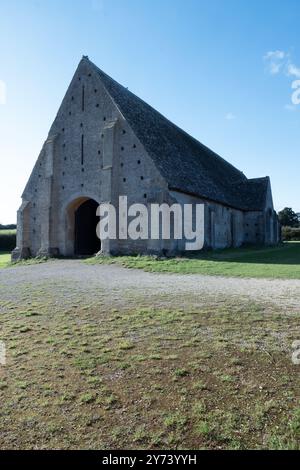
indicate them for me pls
(290, 234)
(7, 240)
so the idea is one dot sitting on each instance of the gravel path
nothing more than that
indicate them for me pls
(73, 279)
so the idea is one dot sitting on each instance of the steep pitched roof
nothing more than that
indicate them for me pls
(186, 164)
(254, 192)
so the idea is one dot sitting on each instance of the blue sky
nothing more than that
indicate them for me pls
(221, 69)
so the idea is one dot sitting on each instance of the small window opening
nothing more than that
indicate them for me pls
(82, 98)
(82, 149)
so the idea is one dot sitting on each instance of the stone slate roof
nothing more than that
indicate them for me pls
(254, 193)
(186, 164)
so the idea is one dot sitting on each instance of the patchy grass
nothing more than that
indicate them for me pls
(216, 376)
(281, 262)
(7, 240)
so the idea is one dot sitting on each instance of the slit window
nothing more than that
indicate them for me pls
(82, 98)
(82, 149)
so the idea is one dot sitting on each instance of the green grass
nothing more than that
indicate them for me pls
(281, 262)
(5, 260)
(74, 377)
(8, 232)
(31, 261)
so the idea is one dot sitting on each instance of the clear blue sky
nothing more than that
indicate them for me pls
(220, 69)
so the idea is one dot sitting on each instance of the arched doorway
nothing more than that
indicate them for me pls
(86, 241)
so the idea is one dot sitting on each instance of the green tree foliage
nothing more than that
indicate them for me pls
(288, 218)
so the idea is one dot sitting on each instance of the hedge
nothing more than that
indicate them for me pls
(7, 241)
(290, 234)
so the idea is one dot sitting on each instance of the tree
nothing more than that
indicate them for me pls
(288, 218)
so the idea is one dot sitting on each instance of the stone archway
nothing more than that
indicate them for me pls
(81, 222)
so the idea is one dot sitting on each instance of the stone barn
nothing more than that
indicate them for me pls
(106, 142)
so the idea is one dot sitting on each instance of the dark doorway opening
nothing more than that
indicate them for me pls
(86, 220)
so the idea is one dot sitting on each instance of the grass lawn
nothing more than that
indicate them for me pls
(91, 369)
(8, 232)
(84, 375)
(281, 262)
(4, 259)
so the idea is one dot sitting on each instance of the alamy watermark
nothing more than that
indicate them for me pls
(2, 353)
(152, 221)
